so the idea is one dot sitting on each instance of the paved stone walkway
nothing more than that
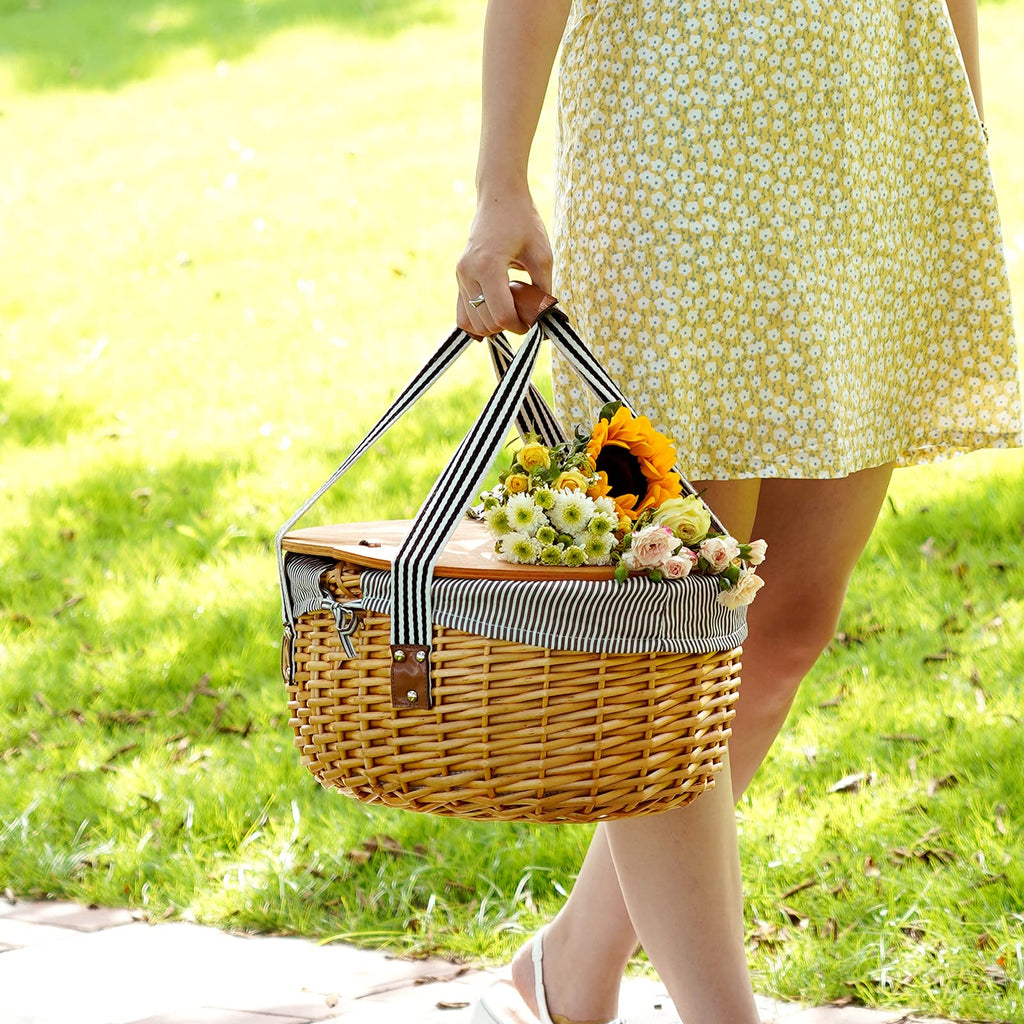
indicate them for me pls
(61, 963)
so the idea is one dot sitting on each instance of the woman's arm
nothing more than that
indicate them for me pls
(521, 39)
(964, 15)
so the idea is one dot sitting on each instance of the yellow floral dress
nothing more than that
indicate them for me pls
(776, 226)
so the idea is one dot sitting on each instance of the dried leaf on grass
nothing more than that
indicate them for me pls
(807, 883)
(996, 973)
(926, 854)
(860, 636)
(852, 783)
(943, 782)
(387, 844)
(108, 765)
(767, 934)
(200, 689)
(121, 716)
(68, 604)
(794, 916)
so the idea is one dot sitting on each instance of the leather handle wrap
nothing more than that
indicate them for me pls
(530, 301)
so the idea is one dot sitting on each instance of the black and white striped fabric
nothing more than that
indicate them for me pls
(682, 614)
(536, 416)
(453, 492)
(593, 616)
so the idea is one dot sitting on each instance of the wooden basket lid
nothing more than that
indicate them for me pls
(469, 554)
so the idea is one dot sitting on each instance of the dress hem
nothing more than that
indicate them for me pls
(905, 458)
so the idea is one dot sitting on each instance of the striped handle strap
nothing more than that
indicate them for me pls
(413, 566)
(536, 416)
(454, 490)
(435, 367)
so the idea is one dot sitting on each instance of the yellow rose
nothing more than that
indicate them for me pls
(517, 483)
(572, 480)
(688, 518)
(534, 456)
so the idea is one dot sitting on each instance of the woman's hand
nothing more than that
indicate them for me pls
(506, 232)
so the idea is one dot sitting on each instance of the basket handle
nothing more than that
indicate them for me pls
(412, 569)
(530, 302)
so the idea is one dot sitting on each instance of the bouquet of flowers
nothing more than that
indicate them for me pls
(609, 497)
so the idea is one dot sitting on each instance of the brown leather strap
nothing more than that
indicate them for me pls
(410, 676)
(530, 301)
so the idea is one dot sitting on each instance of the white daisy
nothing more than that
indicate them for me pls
(524, 515)
(598, 548)
(546, 534)
(574, 556)
(544, 497)
(520, 547)
(498, 521)
(551, 555)
(602, 522)
(607, 506)
(572, 511)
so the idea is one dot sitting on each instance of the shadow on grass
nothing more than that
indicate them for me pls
(101, 44)
(134, 580)
(29, 420)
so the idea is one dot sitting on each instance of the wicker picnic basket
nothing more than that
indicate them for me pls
(424, 673)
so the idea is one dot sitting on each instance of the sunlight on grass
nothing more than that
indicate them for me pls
(235, 229)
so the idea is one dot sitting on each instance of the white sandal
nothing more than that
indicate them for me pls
(485, 1013)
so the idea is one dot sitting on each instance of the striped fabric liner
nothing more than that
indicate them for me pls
(593, 616)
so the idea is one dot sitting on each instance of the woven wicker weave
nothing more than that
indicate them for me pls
(516, 732)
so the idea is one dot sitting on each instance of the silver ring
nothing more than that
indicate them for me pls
(478, 301)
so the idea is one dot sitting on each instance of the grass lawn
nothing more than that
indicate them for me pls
(228, 238)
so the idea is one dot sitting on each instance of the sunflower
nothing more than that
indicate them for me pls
(633, 462)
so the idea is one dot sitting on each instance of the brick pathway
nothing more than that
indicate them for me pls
(61, 963)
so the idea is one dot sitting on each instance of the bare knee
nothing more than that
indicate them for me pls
(777, 656)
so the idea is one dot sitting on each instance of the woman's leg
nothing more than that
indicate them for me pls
(819, 523)
(591, 940)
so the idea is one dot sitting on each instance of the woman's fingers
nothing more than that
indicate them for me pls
(506, 233)
(470, 314)
(486, 306)
(538, 264)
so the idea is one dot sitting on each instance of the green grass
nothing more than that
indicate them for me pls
(229, 236)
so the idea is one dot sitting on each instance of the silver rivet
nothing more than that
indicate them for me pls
(399, 655)
(411, 695)
(421, 656)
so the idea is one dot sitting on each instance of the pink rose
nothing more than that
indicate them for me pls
(651, 547)
(678, 566)
(757, 550)
(743, 591)
(719, 552)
